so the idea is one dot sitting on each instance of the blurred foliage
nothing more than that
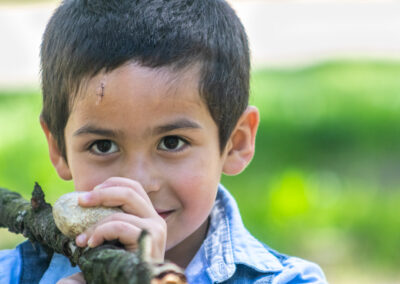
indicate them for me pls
(324, 183)
(24, 158)
(325, 179)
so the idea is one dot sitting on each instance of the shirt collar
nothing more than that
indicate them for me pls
(228, 243)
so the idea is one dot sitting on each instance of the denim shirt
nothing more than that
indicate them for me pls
(229, 254)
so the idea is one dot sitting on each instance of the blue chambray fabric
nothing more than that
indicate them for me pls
(29, 264)
(10, 266)
(229, 254)
(59, 268)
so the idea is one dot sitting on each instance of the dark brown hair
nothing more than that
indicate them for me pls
(86, 36)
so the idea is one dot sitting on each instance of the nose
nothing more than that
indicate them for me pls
(144, 171)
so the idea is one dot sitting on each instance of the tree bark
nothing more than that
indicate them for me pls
(108, 263)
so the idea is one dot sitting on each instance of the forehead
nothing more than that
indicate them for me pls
(132, 88)
(133, 75)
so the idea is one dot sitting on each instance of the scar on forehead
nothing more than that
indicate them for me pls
(100, 92)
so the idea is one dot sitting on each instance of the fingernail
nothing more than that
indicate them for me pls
(84, 197)
(81, 239)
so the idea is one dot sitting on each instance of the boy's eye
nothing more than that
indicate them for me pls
(104, 147)
(172, 143)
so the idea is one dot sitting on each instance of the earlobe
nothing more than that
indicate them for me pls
(241, 145)
(56, 156)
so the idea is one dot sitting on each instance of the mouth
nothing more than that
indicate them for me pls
(164, 213)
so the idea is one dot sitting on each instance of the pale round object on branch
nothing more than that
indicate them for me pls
(72, 219)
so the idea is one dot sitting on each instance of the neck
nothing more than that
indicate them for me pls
(183, 253)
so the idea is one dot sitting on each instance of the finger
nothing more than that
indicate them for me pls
(82, 239)
(125, 182)
(126, 198)
(76, 278)
(126, 233)
(156, 226)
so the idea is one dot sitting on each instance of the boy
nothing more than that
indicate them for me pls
(144, 107)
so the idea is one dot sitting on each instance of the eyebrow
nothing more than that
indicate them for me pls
(89, 129)
(178, 124)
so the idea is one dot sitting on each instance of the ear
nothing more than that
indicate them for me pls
(56, 156)
(241, 144)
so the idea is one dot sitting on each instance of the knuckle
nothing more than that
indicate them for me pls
(162, 225)
(158, 229)
(112, 179)
(125, 197)
(117, 227)
(116, 217)
(135, 184)
(109, 230)
(96, 195)
(127, 193)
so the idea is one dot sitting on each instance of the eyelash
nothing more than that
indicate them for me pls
(113, 144)
(182, 148)
(92, 145)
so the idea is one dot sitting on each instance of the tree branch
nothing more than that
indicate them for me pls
(107, 263)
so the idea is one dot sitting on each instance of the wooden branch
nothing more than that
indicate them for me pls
(107, 263)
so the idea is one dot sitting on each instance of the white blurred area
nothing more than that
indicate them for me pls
(282, 33)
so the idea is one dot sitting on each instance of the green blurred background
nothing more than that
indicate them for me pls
(325, 181)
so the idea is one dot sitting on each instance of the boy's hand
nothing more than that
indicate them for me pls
(126, 227)
(76, 278)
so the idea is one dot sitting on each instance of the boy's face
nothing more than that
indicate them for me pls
(151, 126)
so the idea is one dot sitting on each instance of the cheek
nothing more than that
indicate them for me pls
(195, 186)
(84, 182)
(86, 177)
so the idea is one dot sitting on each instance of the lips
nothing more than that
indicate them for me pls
(164, 213)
